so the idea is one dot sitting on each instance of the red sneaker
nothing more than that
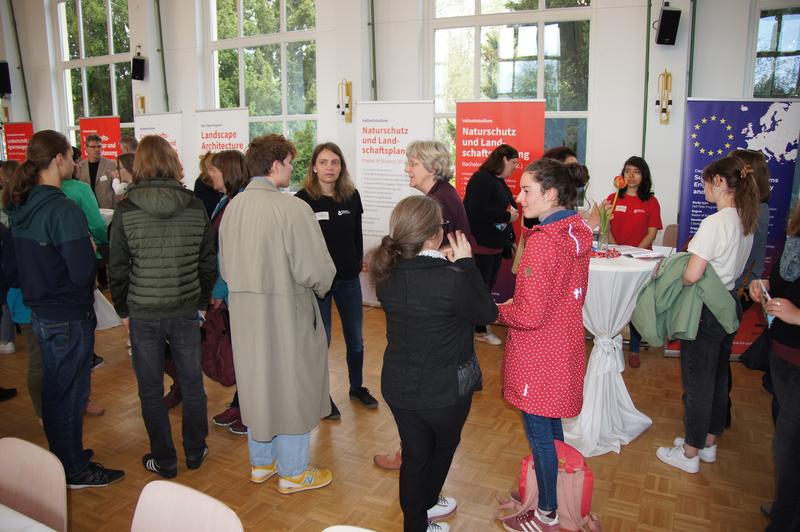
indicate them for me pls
(228, 417)
(634, 361)
(529, 521)
(388, 461)
(237, 427)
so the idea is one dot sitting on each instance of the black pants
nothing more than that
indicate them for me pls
(704, 371)
(429, 439)
(785, 510)
(148, 341)
(489, 266)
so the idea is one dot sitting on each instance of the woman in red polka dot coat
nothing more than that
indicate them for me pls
(544, 361)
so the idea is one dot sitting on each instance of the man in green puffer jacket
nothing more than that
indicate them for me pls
(162, 268)
(668, 310)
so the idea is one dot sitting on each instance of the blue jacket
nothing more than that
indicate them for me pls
(51, 258)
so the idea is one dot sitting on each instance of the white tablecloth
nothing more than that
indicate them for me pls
(13, 521)
(608, 419)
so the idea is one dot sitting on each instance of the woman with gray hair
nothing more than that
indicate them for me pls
(430, 169)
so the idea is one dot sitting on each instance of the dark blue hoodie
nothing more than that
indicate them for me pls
(52, 259)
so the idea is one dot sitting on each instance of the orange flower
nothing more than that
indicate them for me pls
(619, 182)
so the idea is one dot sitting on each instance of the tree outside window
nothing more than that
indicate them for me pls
(777, 69)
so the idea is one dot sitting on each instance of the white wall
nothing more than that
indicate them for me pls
(722, 66)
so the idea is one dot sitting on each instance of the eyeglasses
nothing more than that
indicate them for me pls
(445, 226)
(94, 146)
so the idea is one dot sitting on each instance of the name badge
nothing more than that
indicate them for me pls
(103, 177)
(621, 208)
(324, 215)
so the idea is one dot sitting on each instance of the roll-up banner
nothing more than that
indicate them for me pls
(480, 128)
(107, 127)
(384, 131)
(18, 136)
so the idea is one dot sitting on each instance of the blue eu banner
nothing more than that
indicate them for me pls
(713, 129)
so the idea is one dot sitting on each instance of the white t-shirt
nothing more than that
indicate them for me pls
(721, 241)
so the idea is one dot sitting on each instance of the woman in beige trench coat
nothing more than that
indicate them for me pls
(274, 259)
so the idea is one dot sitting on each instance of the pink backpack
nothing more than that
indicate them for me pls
(575, 483)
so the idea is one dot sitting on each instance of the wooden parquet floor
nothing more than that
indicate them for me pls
(633, 490)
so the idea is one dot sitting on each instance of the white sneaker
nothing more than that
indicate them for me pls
(675, 457)
(707, 454)
(489, 338)
(438, 527)
(444, 508)
(6, 348)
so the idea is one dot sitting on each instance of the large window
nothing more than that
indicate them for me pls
(95, 61)
(777, 68)
(505, 49)
(264, 59)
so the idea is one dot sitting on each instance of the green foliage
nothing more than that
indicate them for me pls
(566, 76)
(262, 80)
(261, 17)
(228, 78)
(98, 79)
(227, 19)
(523, 5)
(119, 26)
(300, 15)
(523, 69)
(301, 80)
(303, 133)
(95, 31)
(71, 12)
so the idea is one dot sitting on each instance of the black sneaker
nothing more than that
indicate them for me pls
(149, 463)
(335, 414)
(94, 476)
(7, 393)
(97, 361)
(363, 395)
(194, 463)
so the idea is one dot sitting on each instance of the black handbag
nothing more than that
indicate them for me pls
(470, 378)
(756, 356)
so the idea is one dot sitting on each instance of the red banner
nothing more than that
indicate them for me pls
(18, 135)
(108, 129)
(480, 128)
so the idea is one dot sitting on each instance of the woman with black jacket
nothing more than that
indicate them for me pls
(432, 302)
(491, 211)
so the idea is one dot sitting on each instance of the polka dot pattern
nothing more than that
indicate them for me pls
(544, 363)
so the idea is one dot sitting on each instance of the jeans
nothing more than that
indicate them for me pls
(785, 510)
(148, 341)
(542, 432)
(67, 348)
(289, 450)
(429, 439)
(636, 340)
(489, 266)
(347, 294)
(704, 372)
(34, 367)
(7, 331)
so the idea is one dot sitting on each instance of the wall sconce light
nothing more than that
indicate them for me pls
(664, 103)
(345, 102)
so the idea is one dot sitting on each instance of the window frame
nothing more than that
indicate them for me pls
(752, 49)
(539, 17)
(282, 37)
(82, 63)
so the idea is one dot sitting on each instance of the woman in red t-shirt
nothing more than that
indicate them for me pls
(636, 221)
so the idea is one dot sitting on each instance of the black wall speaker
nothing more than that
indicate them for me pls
(137, 68)
(668, 25)
(5, 79)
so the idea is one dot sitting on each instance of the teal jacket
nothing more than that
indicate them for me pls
(666, 309)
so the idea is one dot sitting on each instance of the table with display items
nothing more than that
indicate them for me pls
(608, 418)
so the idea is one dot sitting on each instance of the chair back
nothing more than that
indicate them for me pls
(32, 482)
(670, 236)
(165, 505)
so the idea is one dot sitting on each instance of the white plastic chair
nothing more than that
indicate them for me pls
(33, 483)
(170, 506)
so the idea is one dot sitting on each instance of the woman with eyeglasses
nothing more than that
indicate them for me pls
(430, 169)
(432, 300)
(492, 211)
